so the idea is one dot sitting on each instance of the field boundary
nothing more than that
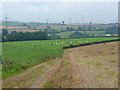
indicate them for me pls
(86, 44)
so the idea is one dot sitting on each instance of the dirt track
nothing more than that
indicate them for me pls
(94, 66)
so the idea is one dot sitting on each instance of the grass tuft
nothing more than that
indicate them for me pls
(48, 85)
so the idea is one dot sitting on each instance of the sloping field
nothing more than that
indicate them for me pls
(24, 30)
(57, 27)
(20, 55)
(67, 34)
(93, 66)
(14, 27)
(95, 25)
(25, 50)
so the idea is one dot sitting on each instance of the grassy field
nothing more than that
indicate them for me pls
(27, 53)
(67, 34)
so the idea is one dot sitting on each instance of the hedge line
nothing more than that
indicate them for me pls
(72, 46)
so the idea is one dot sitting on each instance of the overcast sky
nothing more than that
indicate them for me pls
(79, 12)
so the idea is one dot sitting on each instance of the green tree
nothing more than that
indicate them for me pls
(85, 35)
(54, 36)
(24, 24)
(79, 28)
(47, 29)
(14, 33)
(28, 35)
(89, 28)
(84, 28)
(20, 36)
(112, 30)
(34, 28)
(4, 32)
(92, 35)
(76, 35)
(67, 28)
(28, 27)
(12, 36)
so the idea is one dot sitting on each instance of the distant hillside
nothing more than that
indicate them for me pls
(67, 34)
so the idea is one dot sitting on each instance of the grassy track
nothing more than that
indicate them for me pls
(27, 53)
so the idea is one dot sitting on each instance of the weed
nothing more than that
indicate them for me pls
(98, 65)
(106, 68)
(64, 76)
(91, 62)
(64, 63)
(50, 63)
(111, 73)
(113, 61)
(99, 75)
(81, 61)
(69, 86)
(48, 85)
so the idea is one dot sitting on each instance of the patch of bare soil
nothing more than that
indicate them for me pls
(93, 66)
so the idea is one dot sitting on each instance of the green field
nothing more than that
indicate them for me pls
(67, 34)
(28, 53)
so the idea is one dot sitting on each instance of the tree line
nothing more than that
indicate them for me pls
(20, 36)
(40, 35)
(113, 30)
(81, 35)
(109, 30)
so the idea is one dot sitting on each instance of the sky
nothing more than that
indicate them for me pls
(69, 11)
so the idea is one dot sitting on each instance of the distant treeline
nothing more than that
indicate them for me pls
(81, 35)
(109, 30)
(20, 36)
(43, 35)
(25, 36)
(113, 30)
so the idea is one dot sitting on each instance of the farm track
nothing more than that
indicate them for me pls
(27, 77)
(47, 75)
(93, 66)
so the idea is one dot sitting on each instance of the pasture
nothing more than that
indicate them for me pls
(27, 53)
(67, 34)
